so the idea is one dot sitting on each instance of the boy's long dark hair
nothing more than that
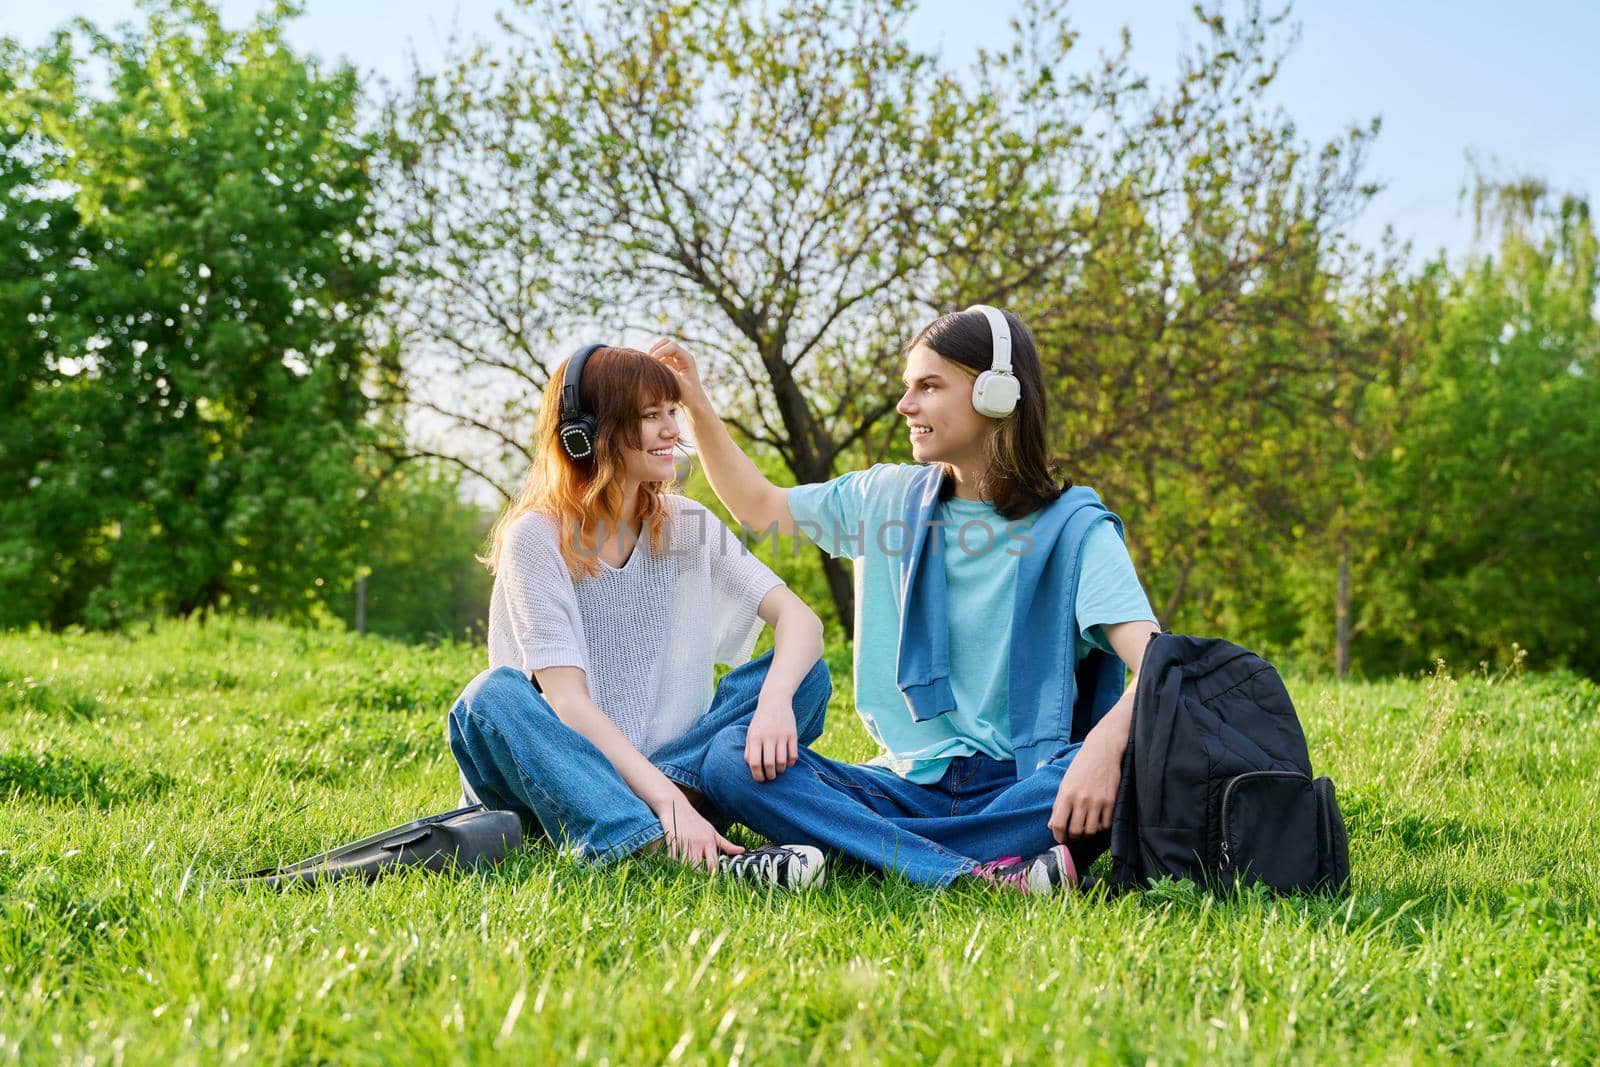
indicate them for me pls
(1021, 478)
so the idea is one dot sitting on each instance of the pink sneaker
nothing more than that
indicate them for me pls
(1041, 875)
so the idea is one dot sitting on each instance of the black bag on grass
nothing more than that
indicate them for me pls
(467, 837)
(1216, 780)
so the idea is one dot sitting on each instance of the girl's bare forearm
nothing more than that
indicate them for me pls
(797, 644)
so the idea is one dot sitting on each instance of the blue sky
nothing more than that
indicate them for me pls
(1514, 83)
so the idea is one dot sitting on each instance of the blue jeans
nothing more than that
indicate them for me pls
(516, 754)
(931, 834)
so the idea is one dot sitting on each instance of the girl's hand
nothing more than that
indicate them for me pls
(771, 746)
(690, 839)
(677, 359)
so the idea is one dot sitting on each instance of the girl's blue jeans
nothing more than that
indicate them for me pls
(978, 811)
(516, 754)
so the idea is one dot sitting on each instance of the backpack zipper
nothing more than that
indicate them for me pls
(1227, 795)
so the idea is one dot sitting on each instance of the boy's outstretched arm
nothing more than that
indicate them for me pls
(742, 488)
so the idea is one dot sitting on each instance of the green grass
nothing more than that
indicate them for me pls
(137, 773)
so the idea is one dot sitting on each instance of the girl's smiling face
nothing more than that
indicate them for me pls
(937, 407)
(652, 461)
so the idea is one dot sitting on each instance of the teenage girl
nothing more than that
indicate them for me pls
(613, 600)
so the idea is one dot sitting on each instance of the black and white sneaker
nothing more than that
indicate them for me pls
(783, 866)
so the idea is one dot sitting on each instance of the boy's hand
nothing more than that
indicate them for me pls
(1088, 791)
(676, 358)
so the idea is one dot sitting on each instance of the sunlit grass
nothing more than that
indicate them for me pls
(138, 773)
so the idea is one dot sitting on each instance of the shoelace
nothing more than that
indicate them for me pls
(763, 863)
(1007, 870)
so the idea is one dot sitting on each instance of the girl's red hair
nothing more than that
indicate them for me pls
(584, 497)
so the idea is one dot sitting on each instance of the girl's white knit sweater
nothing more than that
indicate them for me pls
(646, 634)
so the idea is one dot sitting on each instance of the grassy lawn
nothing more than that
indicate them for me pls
(137, 773)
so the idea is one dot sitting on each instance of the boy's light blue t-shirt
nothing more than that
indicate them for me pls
(860, 515)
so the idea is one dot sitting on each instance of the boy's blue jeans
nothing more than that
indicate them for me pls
(931, 834)
(516, 754)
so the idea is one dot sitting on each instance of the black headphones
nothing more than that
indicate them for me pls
(577, 429)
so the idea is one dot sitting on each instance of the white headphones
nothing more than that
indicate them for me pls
(997, 390)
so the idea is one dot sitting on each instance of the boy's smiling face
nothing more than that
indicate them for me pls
(937, 407)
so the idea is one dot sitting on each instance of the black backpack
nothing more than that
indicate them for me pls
(1216, 781)
(465, 838)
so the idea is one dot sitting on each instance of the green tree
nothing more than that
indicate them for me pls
(39, 236)
(796, 189)
(416, 546)
(191, 438)
(778, 183)
(1188, 308)
(1494, 480)
(1306, 581)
